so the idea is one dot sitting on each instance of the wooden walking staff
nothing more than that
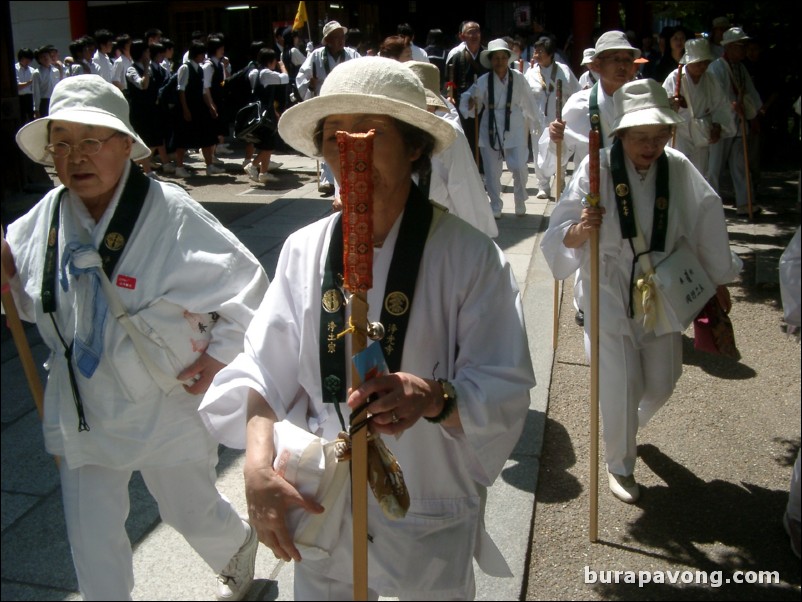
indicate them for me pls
(593, 200)
(21, 342)
(476, 125)
(679, 102)
(746, 158)
(558, 183)
(356, 193)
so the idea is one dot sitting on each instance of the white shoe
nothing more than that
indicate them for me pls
(252, 171)
(222, 149)
(267, 177)
(182, 172)
(274, 165)
(624, 487)
(212, 169)
(218, 161)
(543, 193)
(168, 168)
(234, 581)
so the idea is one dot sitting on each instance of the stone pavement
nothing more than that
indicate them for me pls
(36, 563)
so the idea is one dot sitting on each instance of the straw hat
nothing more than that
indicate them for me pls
(615, 40)
(697, 50)
(84, 99)
(734, 35)
(497, 45)
(331, 27)
(642, 102)
(587, 56)
(367, 85)
(429, 75)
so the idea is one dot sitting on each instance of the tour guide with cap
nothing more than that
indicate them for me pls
(455, 344)
(653, 202)
(171, 265)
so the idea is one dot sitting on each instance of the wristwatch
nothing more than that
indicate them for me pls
(449, 401)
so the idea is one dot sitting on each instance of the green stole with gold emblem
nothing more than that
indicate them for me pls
(626, 210)
(398, 295)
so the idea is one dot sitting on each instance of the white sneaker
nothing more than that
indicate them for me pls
(222, 149)
(252, 171)
(543, 193)
(212, 169)
(234, 581)
(267, 177)
(274, 165)
(168, 168)
(182, 172)
(624, 487)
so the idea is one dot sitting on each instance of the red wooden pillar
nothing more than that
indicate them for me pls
(78, 19)
(584, 15)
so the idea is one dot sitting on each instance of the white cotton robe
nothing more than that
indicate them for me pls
(179, 254)
(466, 325)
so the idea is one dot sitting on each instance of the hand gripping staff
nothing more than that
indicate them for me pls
(368, 452)
(593, 200)
(558, 183)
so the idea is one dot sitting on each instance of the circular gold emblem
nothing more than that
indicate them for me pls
(114, 241)
(51, 237)
(397, 303)
(622, 190)
(332, 300)
(594, 119)
(661, 203)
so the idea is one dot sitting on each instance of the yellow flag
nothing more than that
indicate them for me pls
(300, 17)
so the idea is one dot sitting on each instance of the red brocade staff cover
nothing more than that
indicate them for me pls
(356, 194)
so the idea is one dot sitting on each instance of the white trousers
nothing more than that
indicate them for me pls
(729, 151)
(96, 505)
(634, 382)
(309, 585)
(516, 162)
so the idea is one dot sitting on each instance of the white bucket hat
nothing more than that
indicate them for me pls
(497, 45)
(367, 85)
(331, 27)
(84, 99)
(642, 102)
(697, 50)
(429, 75)
(615, 40)
(734, 34)
(587, 56)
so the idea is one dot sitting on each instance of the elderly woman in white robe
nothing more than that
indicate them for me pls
(639, 364)
(110, 237)
(454, 404)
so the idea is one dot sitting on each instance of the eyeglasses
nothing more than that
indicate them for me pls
(618, 60)
(644, 139)
(87, 146)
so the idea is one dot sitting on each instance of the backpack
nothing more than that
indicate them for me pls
(168, 92)
(237, 88)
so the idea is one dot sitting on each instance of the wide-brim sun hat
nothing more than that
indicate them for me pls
(697, 50)
(331, 27)
(587, 56)
(734, 35)
(429, 75)
(642, 102)
(615, 40)
(497, 45)
(85, 99)
(369, 85)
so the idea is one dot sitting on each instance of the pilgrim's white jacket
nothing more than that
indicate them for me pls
(466, 325)
(540, 79)
(180, 257)
(695, 214)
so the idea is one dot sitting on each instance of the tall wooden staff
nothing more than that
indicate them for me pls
(314, 93)
(450, 84)
(356, 193)
(21, 342)
(746, 156)
(558, 184)
(476, 125)
(593, 201)
(677, 93)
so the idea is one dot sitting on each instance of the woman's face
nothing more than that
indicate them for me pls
(392, 161)
(643, 144)
(93, 178)
(678, 42)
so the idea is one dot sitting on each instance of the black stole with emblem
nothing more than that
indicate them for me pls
(398, 295)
